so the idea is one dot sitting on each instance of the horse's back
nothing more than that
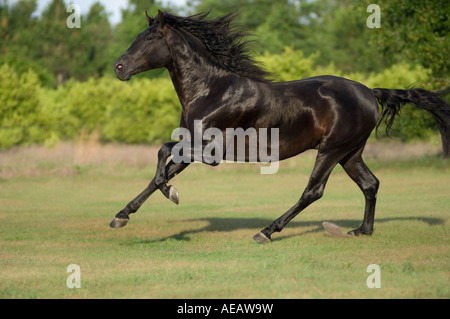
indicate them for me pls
(333, 109)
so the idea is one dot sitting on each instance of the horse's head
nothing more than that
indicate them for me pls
(149, 51)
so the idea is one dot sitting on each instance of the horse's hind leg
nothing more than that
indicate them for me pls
(325, 163)
(368, 183)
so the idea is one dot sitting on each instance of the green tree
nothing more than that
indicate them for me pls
(48, 46)
(18, 45)
(98, 34)
(74, 52)
(339, 32)
(417, 31)
(16, 26)
(58, 43)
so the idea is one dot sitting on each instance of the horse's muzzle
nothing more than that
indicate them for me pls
(121, 73)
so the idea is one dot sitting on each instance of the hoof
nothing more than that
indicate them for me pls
(173, 195)
(334, 230)
(118, 223)
(358, 232)
(262, 238)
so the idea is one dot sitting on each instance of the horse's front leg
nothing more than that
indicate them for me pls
(161, 176)
(159, 182)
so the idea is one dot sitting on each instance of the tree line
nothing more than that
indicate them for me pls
(412, 30)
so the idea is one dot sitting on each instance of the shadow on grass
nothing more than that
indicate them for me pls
(231, 224)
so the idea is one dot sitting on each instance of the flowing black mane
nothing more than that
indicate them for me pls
(222, 40)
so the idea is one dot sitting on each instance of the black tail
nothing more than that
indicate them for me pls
(392, 100)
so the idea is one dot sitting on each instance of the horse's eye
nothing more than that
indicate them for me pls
(149, 38)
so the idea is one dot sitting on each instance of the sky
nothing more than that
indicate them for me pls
(112, 6)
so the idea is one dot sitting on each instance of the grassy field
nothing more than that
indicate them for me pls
(53, 215)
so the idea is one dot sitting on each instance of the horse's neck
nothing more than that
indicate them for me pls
(192, 70)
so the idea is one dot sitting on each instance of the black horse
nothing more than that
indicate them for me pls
(218, 83)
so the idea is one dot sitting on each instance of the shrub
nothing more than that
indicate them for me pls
(21, 117)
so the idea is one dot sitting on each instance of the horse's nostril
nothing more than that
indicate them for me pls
(119, 66)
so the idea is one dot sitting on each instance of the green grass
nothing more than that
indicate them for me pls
(203, 248)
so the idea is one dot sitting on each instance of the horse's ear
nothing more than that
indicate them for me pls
(149, 20)
(161, 18)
